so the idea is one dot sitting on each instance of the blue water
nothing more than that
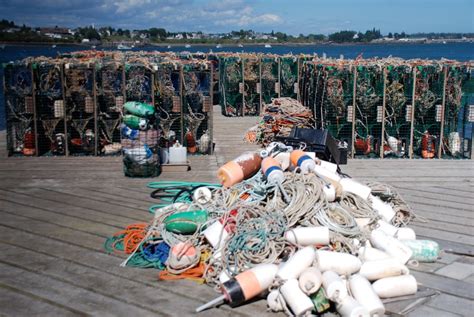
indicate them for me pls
(457, 51)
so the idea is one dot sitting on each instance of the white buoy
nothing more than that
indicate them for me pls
(327, 165)
(305, 236)
(216, 234)
(294, 297)
(392, 246)
(351, 186)
(334, 287)
(330, 192)
(310, 280)
(275, 301)
(399, 233)
(202, 195)
(297, 263)
(368, 253)
(341, 263)
(349, 307)
(363, 292)
(382, 208)
(374, 270)
(395, 286)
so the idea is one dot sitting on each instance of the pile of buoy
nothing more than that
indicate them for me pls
(285, 226)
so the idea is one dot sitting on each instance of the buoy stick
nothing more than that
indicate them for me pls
(217, 301)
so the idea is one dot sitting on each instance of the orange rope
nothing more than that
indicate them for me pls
(132, 236)
(194, 274)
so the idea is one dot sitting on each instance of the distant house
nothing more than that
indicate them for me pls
(13, 30)
(56, 32)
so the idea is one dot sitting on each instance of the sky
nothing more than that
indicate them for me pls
(217, 16)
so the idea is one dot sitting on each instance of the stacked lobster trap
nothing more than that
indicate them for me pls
(392, 108)
(75, 105)
(19, 108)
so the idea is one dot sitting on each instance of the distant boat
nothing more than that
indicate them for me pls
(268, 46)
(53, 46)
(2, 46)
(218, 46)
(187, 46)
(444, 42)
(93, 47)
(240, 45)
(123, 47)
(168, 47)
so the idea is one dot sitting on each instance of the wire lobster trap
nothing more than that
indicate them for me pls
(270, 78)
(167, 90)
(139, 82)
(110, 99)
(458, 113)
(80, 108)
(428, 111)
(252, 97)
(398, 110)
(289, 76)
(20, 110)
(368, 111)
(197, 110)
(231, 85)
(310, 75)
(334, 101)
(50, 108)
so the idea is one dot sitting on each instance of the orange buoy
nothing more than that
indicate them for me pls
(427, 145)
(243, 167)
(190, 142)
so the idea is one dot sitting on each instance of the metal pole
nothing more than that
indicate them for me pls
(243, 87)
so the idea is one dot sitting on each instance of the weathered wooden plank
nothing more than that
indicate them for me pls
(15, 302)
(35, 198)
(453, 304)
(114, 287)
(449, 236)
(445, 284)
(66, 294)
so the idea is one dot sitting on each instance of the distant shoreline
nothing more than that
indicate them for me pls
(107, 45)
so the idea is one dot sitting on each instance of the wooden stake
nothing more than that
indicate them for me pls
(354, 104)
(443, 105)
(63, 87)
(384, 100)
(412, 123)
(35, 117)
(210, 119)
(96, 124)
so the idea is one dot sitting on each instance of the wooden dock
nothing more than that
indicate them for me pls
(56, 213)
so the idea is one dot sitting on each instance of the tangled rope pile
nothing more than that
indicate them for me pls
(277, 119)
(210, 234)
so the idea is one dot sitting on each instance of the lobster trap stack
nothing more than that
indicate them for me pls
(387, 108)
(20, 110)
(110, 78)
(197, 110)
